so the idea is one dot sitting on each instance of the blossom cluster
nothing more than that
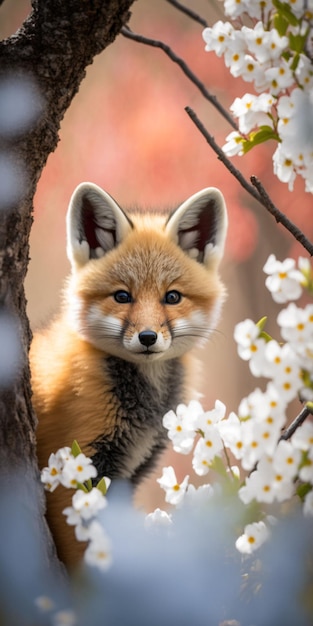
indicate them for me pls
(72, 469)
(272, 54)
(277, 468)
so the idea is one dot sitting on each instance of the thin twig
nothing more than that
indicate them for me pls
(184, 67)
(256, 190)
(296, 423)
(280, 217)
(189, 12)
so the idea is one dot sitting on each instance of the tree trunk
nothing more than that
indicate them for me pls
(45, 60)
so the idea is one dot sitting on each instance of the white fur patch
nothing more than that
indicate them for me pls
(99, 252)
(79, 252)
(134, 345)
(208, 250)
(193, 253)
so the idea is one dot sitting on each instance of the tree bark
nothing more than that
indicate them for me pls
(50, 52)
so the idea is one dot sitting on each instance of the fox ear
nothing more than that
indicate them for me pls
(199, 226)
(95, 224)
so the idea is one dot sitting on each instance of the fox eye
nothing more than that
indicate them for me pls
(172, 297)
(122, 297)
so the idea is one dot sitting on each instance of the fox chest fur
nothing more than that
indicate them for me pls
(143, 292)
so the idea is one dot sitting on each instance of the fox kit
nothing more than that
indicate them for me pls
(144, 289)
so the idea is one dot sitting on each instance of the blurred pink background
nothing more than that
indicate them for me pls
(128, 132)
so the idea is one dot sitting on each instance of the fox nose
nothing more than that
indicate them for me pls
(147, 338)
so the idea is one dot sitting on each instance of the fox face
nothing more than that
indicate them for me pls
(144, 288)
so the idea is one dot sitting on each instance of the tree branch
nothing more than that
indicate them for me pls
(303, 415)
(280, 217)
(185, 68)
(49, 53)
(189, 12)
(256, 190)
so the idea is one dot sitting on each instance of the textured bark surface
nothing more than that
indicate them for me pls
(52, 48)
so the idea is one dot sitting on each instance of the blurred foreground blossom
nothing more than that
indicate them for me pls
(254, 535)
(21, 104)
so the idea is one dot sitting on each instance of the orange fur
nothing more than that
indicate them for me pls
(76, 361)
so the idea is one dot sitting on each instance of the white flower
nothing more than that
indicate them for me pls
(296, 325)
(231, 431)
(82, 528)
(306, 471)
(158, 518)
(181, 425)
(174, 491)
(276, 44)
(282, 361)
(77, 470)
(260, 484)
(64, 454)
(258, 9)
(284, 280)
(198, 496)
(297, 134)
(233, 144)
(303, 437)
(267, 484)
(206, 449)
(284, 166)
(99, 550)
(249, 69)
(279, 77)
(205, 420)
(258, 364)
(308, 504)
(51, 476)
(85, 505)
(217, 37)
(261, 404)
(234, 8)
(254, 536)
(284, 368)
(250, 346)
(246, 334)
(258, 438)
(286, 459)
(257, 41)
(235, 53)
(304, 72)
(252, 111)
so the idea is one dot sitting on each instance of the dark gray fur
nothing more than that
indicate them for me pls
(140, 408)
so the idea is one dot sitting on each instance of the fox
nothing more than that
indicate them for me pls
(143, 292)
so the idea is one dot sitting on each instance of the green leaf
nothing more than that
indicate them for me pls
(82, 487)
(280, 24)
(88, 484)
(261, 323)
(102, 486)
(295, 61)
(75, 449)
(306, 377)
(297, 42)
(265, 336)
(303, 490)
(218, 465)
(260, 136)
(285, 11)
